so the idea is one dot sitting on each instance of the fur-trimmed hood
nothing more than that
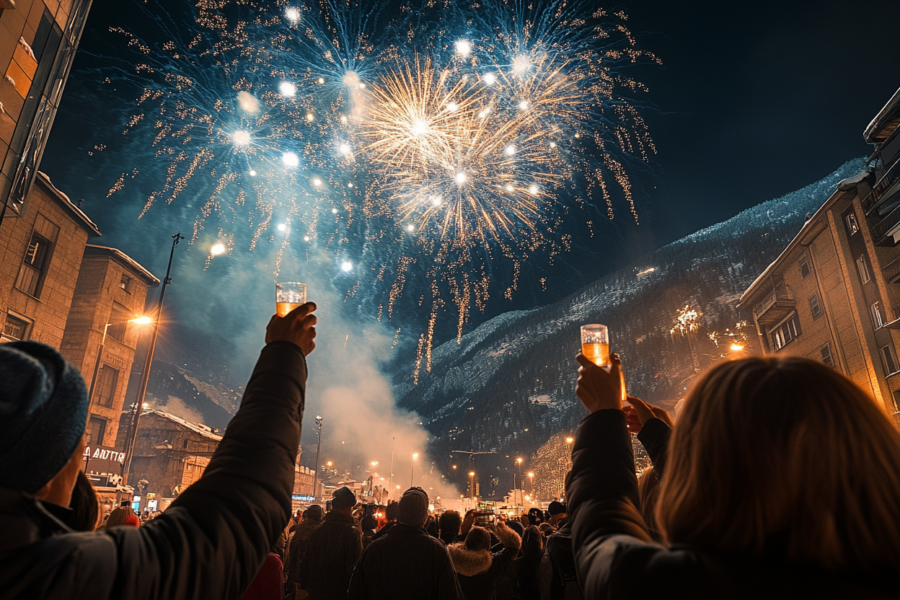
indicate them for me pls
(469, 562)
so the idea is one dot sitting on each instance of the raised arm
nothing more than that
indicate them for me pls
(213, 539)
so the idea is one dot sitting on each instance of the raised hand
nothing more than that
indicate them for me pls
(597, 388)
(297, 327)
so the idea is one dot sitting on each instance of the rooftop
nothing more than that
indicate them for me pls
(884, 123)
(204, 430)
(67, 204)
(123, 259)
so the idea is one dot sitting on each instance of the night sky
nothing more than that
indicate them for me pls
(753, 100)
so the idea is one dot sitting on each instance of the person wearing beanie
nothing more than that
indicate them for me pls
(406, 562)
(332, 550)
(558, 516)
(214, 537)
(478, 568)
(312, 518)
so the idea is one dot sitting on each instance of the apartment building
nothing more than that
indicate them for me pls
(834, 293)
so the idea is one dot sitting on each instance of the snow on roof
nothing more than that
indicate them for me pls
(887, 113)
(204, 430)
(123, 259)
(68, 204)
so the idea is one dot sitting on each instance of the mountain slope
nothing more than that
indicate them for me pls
(509, 384)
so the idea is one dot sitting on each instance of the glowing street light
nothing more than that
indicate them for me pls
(570, 439)
(737, 347)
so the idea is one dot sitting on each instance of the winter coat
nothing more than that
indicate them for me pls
(296, 548)
(563, 578)
(268, 583)
(527, 565)
(615, 556)
(329, 557)
(479, 571)
(209, 543)
(405, 563)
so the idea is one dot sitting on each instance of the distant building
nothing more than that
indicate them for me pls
(170, 454)
(38, 39)
(834, 293)
(41, 253)
(111, 291)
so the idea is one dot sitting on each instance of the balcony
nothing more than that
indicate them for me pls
(883, 232)
(774, 307)
(891, 271)
(881, 189)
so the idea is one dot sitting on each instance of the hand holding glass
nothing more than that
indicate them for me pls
(595, 344)
(288, 296)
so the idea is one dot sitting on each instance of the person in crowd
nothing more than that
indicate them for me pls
(448, 527)
(122, 516)
(269, 581)
(557, 512)
(83, 512)
(431, 527)
(407, 562)
(332, 550)
(369, 524)
(527, 567)
(477, 567)
(535, 516)
(781, 481)
(213, 538)
(391, 513)
(559, 576)
(311, 518)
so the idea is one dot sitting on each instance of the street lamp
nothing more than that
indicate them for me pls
(412, 467)
(472, 485)
(570, 439)
(145, 378)
(318, 447)
(531, 479)
(142, 320)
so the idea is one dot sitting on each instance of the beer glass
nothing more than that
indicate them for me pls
(288, 296)
(595, 344)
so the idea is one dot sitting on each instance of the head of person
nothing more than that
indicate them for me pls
(369, 522)
(785, 458)
(535, 516)
(478, 539)
(449, 524)
(313, 513)
(557, 511)
(120, 516)
(392, 512)
(413, 507)
(85, 506)
(43, 411)
(343, 500)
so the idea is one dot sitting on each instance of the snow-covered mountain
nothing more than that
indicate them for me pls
(509, 384)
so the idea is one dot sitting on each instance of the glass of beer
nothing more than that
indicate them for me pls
(288, 296)
(595, 344)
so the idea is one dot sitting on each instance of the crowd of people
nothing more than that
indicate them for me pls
(780, 479)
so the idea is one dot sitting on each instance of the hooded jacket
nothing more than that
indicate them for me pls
(479, 570)
(209, 543)
(329, 557)
(297, 547)
(405, 563)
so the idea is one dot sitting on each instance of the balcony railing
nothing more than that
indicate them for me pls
(892, 271)
(883, 185)
(885, 225)
(774, 297)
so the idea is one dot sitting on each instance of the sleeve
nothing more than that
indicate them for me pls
(654, 436)
(448, 584)
(354, 543)
(357, 589)
(215, 536)
(603, 500)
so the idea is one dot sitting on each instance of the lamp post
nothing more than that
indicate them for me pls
(472, 485)
(412, 467)
(531, 479)
(318, 447)
(144, 320)
(145, 378)
(518, 494)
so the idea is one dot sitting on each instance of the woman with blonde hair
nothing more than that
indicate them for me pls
(782, 480)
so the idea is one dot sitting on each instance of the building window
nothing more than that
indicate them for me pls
(896, 395)
(15, 329)
(786, 332)
(889, 359)
(852, 225)
(863, 267)
(96, 429)
(877, 318)
(804, 268)
(827, 357)
(125, 283)
(107, 382)
(814, 306)
(118, 322)
(34, 267)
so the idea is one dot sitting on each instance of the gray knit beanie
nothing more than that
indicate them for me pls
(414, 507)
(43, 411)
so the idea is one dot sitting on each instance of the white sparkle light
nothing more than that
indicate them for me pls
(521, 64)
(346, 266)
(248, 102)
(290, 159)
(410, 228)
(510, 150)
(252, 173)
(420, 127)
(452, 106)
(310, 116)
(334, 211)
(460, 178)
(349, 185)
(287, 89)
(523, 105)
(490, 79)
(436, 200)
(321, 80)
(533, 189)
(305, 238)
(217, 249)
(345, 149)
(509, 187)
(241, 137)
(292, 14)
(463, 47)
(317, 182)
(553, 144)
(282, 227)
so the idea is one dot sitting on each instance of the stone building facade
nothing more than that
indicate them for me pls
(834, 293)
(170, 454)
(41, 252)
(99, 337)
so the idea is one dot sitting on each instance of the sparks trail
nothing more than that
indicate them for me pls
(439, 146)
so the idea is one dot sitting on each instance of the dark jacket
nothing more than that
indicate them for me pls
(562, 565)
(329, 558)
(209, 543)
(479, 571)
(528, 564)
(615, 557)
(296, 549)
(405, 563)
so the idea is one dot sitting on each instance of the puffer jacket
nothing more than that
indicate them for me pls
(209, 543)
(296, 548)
(479, 570)
(329, 557)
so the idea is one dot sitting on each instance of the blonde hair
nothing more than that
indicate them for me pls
(648, 492)
(784, 459)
